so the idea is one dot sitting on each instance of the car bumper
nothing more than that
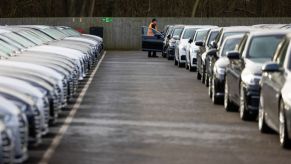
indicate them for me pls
(219, 86)
(171, 52)
(252, 94)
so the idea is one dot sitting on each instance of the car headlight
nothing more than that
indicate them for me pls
(219, 70)
(251, 79)
(7, 118)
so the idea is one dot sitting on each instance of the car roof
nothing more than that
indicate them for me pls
(268, 32)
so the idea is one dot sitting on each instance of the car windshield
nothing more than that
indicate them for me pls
(263, 46)
(178, 32)
(213, 35)
(227, 34)
(19, 39)
(201, 35)
(229, 45)
(189, 33)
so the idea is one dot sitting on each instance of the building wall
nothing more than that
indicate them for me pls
(125, 33)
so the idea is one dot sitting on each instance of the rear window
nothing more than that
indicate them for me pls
(264, 46)
(189, 33)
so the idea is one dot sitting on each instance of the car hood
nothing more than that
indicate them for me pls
(222, 62)
(254, 66)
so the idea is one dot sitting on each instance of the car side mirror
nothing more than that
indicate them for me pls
(190, 41)
(233, 55)
(176, 37)
(213, 44)
(271, 67)
(169, 36)
(199, 43)
(212, 52)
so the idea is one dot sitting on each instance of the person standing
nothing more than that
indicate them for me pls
(153, 27)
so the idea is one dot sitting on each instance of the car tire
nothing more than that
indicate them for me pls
(214, 97)
(243, 111)
(203, 75)
(262, 125)
(210, 89)
(149, 55)
(175, 61)
(198, 76)
(228, 104)
(285, 141)
(207, 80)
(180, 65)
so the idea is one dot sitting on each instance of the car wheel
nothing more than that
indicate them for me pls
(228, 105)
(180, 65)
(207, 80)
(203, 75)
(175, 61)
(262, 125)
(149, 55)
(283, 132)
(198, 76)
(214, 98)
(244, 114)
(210, 89)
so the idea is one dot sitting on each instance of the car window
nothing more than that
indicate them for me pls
(229, 45)
(212, 36)
(280, 58)
(242, 44)
(201, 35)
(188, 33)
(263, 46)
(177, 32)
(227, 34)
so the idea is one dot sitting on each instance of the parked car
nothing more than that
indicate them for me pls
(207, 66)
(6, 144)
(182, 43)
(194, 52)
(219, 62)
(15, 120)
(275, 99)
(244, 73)
(167, 34)
(200, 51)
(175, 37)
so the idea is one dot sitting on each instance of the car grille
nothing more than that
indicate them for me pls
(23, 131)
(183, 57)
(194, 61)
(37, 123)
(7, 148)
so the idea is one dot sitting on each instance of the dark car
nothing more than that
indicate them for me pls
(243, 74)
(220, 62)
(174, 38)
(203, 48)
(209, 61)
(167, 32)
(275, 100)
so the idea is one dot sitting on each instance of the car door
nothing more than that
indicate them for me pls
(234, 72)
(152, 43)
(272, 87)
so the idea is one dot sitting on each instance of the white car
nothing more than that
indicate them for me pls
(15, 120)
(200, 36)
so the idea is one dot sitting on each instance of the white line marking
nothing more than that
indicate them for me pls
(57, 140)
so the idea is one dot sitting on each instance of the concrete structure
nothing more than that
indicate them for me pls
(124, 33)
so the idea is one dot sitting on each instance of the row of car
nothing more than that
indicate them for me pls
(246, 68)
(40, 70)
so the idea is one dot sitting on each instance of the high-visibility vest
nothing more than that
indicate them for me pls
(150, 30)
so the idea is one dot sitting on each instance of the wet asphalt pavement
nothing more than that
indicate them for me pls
(147, 111)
